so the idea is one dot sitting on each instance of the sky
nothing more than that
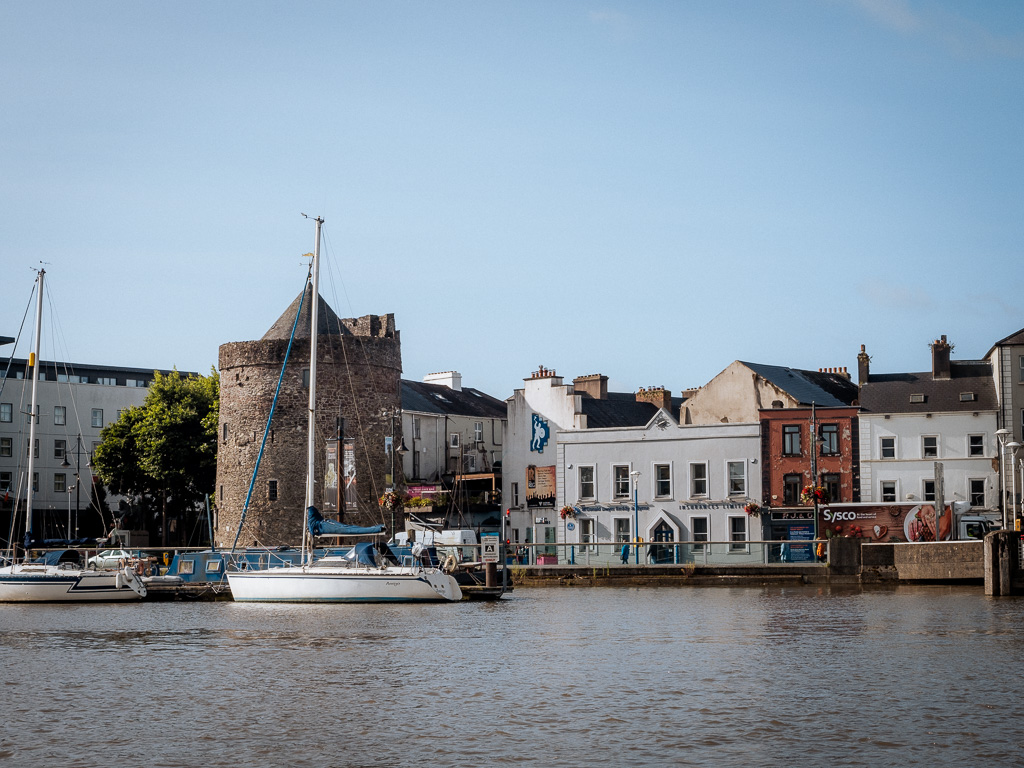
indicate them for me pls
(648, 190)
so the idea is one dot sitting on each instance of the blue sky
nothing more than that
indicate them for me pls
(648, 190)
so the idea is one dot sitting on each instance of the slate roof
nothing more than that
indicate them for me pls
(437, 398)
(890, 392)
(1013, 339)
(806, 387)
(327, 320)
(621, 410)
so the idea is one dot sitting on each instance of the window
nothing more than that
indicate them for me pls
(478, 431)
(699, 532)
(737, 478)
(135, 383)
(6, 446)
(967, 397)
(975, 445)
(830, 482)
(453, 440)
(588, 489)
(698, 480)
(59, 449)
(738, 534)
(620, 481)
(977, 491)
(35, 482)
(60, 415)
(917, 398)
(663, 481)
(623, 526)
(417, 428)
(97, 417)
(791, 489)
(515, 494)
(888, 448)
(106, 381)
(1020, 362)
(225, 431)
(305, 378)
(6, 478)
(35, 452)
(888, 490)
(588, 534)
(928, 490)
(829, 434)
(6, 412)
(791, 440)
(272, 490)
(60, 482)
(930, 447)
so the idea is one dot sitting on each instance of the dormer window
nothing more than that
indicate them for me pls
(917, 398)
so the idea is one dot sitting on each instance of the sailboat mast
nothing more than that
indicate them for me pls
(314, 333)
(33, 406)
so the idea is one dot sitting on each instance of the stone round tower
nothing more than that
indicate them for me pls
(359, 366)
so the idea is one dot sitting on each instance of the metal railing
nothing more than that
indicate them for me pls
(611, 554)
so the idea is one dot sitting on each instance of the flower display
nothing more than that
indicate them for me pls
(390, 500)
(753, 509)
(567, 511)
(812, 493)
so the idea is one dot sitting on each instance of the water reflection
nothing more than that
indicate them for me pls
(655, 676)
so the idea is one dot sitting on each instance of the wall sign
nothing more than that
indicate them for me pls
(541, 433)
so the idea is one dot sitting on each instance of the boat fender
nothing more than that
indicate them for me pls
(140, 568)
(120, 563)
(118, 584)
(450, 564)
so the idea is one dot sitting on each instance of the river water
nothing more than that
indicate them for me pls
(794, 676)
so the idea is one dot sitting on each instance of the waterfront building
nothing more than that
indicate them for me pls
(1007, 360)
(453, 442)
(910, 422)
(75, 402)
(359, 363)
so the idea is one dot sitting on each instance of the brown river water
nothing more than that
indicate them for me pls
(758, 676)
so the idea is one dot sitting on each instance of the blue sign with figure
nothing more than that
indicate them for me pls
(541, 433)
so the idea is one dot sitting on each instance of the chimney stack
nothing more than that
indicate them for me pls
(940, 359)
(595, 385)
(658, 396)
(863, 366)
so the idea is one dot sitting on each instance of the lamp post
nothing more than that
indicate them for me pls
(78, 483)
(70, 489)
(635, 477)
(1012, 448)
(1001, 435)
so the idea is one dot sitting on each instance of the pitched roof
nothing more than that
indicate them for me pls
(806, 387)
(327, 320)
(621, 409)
(1012, 340)
(437, 398)
(891, 392)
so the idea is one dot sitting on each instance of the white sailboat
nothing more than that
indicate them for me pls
(368, 573)
(58, 576)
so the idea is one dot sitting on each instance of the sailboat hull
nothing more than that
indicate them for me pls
(311, 584)
(31, 583)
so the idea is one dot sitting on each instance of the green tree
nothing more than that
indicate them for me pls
(164, 452)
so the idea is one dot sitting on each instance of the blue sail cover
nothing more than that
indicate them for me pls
(320, 526)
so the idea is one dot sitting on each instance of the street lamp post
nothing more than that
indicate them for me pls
(635, 477)
(1001, 435)
(70, 489)
(78, 482)
(1012, 449)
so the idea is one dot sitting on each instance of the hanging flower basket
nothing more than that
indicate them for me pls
(753, 509)
(567, 512)
(812, 493)
(390, 500)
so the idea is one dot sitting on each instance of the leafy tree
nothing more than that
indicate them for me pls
(164, 452)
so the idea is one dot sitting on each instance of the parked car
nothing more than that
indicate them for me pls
(112, 558)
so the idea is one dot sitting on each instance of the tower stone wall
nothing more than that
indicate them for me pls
(359, 366)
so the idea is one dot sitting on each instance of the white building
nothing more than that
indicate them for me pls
(909, 422)
(75, 402)
(578, 445)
